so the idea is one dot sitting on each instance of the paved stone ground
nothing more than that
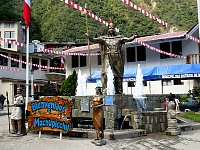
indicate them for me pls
(189, 140)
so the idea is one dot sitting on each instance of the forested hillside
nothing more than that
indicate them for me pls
(54, 20)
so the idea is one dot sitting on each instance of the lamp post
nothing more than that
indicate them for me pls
(32, 91)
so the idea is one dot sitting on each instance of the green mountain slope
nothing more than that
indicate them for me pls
(54, 20)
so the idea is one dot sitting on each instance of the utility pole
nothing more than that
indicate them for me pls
(88, 41)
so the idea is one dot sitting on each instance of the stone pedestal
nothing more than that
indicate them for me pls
(172, 128)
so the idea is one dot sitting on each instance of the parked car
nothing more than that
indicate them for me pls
(190, 104)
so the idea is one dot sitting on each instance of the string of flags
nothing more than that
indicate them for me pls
(146, 13)
(36, 65)
(85, 11)
(11, 69)
(67, 54)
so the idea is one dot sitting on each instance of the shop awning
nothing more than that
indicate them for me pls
(157, 72)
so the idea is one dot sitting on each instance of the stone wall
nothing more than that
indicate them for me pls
(151, 122)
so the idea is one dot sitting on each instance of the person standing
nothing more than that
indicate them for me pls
(2, 99)
(16, 115)
(113, 54)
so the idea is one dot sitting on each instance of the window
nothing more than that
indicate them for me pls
(82, 61)
(167, 82)
(35, 48)
(44, 63)
(35, 61)
(178, 82)
(14, 63)
(177, 47)
(3, 60)
(9, 25)
(165, 47)
(9, 34)
(99, 59)
(131, 84)
(24, 60)
(145, 83)
(75, 61)
(130, 53)
(141, 53)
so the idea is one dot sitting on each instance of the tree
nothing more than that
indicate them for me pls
(49, 90)
(69, 85)
(8, 11)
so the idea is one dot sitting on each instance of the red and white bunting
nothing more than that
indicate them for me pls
(11, 69)
(157, 50)
(82, 9)
(13, 42)
(146, 13)
(36, 65)
(193, 38)
(66, 53)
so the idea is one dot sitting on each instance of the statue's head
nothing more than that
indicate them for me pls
(19, 90)
(111, 30)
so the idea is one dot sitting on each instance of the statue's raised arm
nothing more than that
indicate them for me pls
(95, 40)
(125, 39)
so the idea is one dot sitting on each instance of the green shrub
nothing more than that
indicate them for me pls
(68, 87)
(183, 98)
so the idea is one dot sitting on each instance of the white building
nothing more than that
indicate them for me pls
(13, 73)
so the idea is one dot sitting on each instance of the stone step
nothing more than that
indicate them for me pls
(108, 134)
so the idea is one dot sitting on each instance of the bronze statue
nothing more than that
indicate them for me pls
(98, 114)
(112, 52)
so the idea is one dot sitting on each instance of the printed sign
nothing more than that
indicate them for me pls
(188, 75)
(85, 105)
(108, 100)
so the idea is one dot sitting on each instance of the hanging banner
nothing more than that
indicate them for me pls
(50, 114)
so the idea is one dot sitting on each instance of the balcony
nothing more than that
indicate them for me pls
(193, 59)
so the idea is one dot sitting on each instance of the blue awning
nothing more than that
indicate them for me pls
(157, 72)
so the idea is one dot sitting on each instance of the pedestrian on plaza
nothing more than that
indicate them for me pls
(2, 99)
(16, 115)
(171, 97)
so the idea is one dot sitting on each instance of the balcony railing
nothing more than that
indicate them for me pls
(193, 59)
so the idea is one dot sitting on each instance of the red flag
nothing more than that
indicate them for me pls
(62, 62)
(27, 12)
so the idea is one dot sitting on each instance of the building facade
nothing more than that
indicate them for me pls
(13, 62)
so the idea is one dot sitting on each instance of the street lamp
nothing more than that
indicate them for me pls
(32, 91)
